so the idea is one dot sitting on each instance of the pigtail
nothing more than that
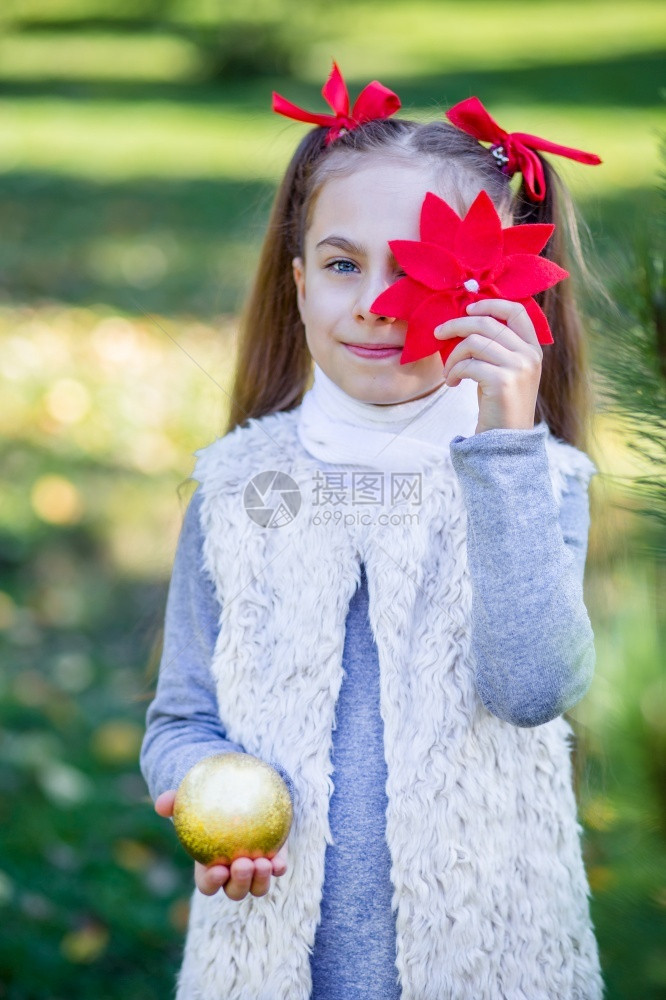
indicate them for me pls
(566, 398)
(273, 363)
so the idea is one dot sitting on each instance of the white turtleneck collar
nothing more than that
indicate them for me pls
(339, 429)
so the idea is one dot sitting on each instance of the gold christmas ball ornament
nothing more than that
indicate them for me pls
(232, 805)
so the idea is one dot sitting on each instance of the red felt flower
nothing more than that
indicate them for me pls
(374, 101)
(459, 261)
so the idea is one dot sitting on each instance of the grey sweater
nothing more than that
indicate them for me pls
(531, 641)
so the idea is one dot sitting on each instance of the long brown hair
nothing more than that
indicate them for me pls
(274, 366)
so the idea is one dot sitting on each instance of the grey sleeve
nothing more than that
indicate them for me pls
(183, 725)
(532, 641)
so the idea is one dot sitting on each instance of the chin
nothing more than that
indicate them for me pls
(410, 393)
(392, 397)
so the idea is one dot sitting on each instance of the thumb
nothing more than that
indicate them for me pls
(280, 859)
(164, 803)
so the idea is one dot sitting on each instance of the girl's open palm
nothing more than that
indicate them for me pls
(242, 876)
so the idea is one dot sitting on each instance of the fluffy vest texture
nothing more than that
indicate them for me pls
(490, 892)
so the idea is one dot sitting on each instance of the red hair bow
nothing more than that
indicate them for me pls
(374, 101)
(513, 150)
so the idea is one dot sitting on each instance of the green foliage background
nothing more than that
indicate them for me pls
(137, 161)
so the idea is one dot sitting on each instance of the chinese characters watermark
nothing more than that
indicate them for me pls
(273, 499)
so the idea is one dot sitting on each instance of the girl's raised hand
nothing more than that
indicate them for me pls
(242, 876)
(504, 358)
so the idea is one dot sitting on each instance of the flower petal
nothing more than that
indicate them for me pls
(538, 317)
(421, 341)
(478, 244)
(524, 274)
(400, 299)
(428, 263)
(439, 222)
(530, 238)
(447, 346)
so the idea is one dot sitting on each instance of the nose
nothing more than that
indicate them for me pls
(368, 292)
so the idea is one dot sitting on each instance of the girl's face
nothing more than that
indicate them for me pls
(347, 263)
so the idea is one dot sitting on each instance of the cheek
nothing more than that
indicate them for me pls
(322, 304)
(429, 369)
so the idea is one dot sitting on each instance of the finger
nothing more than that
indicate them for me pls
(469, 368)
(517, 371)
(514, 314)
(263, 869)
(164, 803)
(210, 878)
(494, 343)
(483, 349)
(280, 862)
(242, 872)
(465, 326)
(498, 318)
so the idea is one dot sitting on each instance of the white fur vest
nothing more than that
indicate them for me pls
(490, 892)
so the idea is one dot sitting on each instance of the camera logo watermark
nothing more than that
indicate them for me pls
(273, 499)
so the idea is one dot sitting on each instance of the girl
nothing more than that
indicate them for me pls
(378, 589)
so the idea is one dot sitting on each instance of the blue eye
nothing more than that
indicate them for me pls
(342, 266)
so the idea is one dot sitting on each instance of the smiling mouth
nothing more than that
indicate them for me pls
(378, 347)
(375, 350)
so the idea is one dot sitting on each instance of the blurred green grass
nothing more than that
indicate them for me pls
(137, 168)
(101, 204)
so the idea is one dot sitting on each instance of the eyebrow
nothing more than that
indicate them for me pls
(342, 243)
